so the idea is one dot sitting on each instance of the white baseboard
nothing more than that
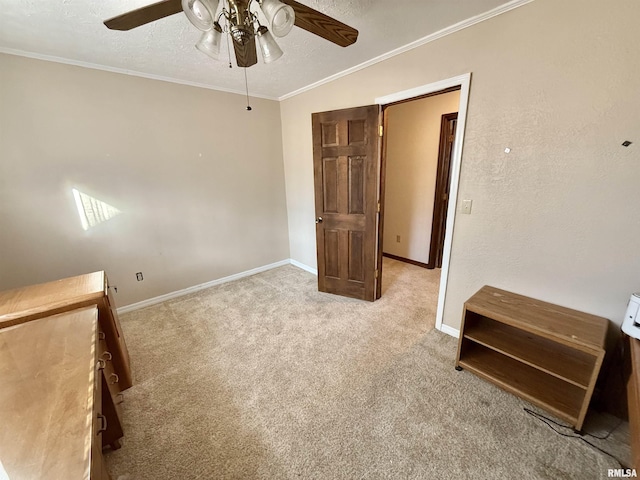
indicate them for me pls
(296, 263)
(202, 286)
(179, 293)
(449, 330)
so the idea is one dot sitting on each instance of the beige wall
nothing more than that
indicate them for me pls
(413, 143)
(557, 218)
(199, 202)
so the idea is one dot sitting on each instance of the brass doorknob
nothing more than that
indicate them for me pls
(319, 220)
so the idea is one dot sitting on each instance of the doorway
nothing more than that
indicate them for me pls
(418, 141)
(349, 175)
(463, 83)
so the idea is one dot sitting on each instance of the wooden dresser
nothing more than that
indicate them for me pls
(53, 410)
(37, 301)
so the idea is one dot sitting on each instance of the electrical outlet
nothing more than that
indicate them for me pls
(398, 238)
(466, 207)
(139, 276)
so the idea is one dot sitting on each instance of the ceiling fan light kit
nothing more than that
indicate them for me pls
(281, 17)
(200, 13)
(241, 24)
(268, 46)
(210, 41)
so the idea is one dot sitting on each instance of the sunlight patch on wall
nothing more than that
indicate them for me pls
(3, 473)
(92, 211)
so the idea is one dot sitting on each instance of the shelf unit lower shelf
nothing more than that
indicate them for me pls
(534, 350)
(562, 399)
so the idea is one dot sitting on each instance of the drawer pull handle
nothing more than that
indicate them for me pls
(116, 379)
(101, 336)
(108, 356)
(101, 364)
(103, 423)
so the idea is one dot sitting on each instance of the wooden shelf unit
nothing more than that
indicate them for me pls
(547, 354)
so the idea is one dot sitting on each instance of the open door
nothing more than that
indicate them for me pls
(443, 180)
(346, 159)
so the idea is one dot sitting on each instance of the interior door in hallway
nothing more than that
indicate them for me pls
(443, 183)
(346, 158)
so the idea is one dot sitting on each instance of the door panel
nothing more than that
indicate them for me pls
(331, 253)
(356, 256)
(330, 184)
(346, 163)
(356, 185)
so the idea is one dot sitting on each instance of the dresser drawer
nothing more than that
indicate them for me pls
(110, 397)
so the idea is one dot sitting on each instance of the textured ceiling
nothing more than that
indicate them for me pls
(72, 30)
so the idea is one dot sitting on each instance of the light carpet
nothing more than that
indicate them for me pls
(265, 378)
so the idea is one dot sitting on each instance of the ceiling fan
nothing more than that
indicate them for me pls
(242, 24)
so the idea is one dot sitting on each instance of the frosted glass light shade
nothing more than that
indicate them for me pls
(268, 46)
(201, 13)
(210, 41)
(281, 17)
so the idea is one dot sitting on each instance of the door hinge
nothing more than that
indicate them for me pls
(380, 130)
(378, 207)
(377, 272)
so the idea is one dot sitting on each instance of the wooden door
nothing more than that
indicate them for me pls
(346, 164)
(443, 180)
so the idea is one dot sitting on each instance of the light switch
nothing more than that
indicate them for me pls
(466, 207)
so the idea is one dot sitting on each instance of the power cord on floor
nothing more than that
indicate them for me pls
(549, 422)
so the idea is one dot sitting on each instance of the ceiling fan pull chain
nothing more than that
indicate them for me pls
(228, 36)
(246, 84)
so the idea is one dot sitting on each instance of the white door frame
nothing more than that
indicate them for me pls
(464, 82)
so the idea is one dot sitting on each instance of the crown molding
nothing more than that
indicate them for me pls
(123, 71)
(410, 46)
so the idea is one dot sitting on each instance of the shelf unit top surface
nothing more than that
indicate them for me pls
(540, 317)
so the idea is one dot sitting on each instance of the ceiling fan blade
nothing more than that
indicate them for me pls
(322, 25)
(246, 54)
(144, 15)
